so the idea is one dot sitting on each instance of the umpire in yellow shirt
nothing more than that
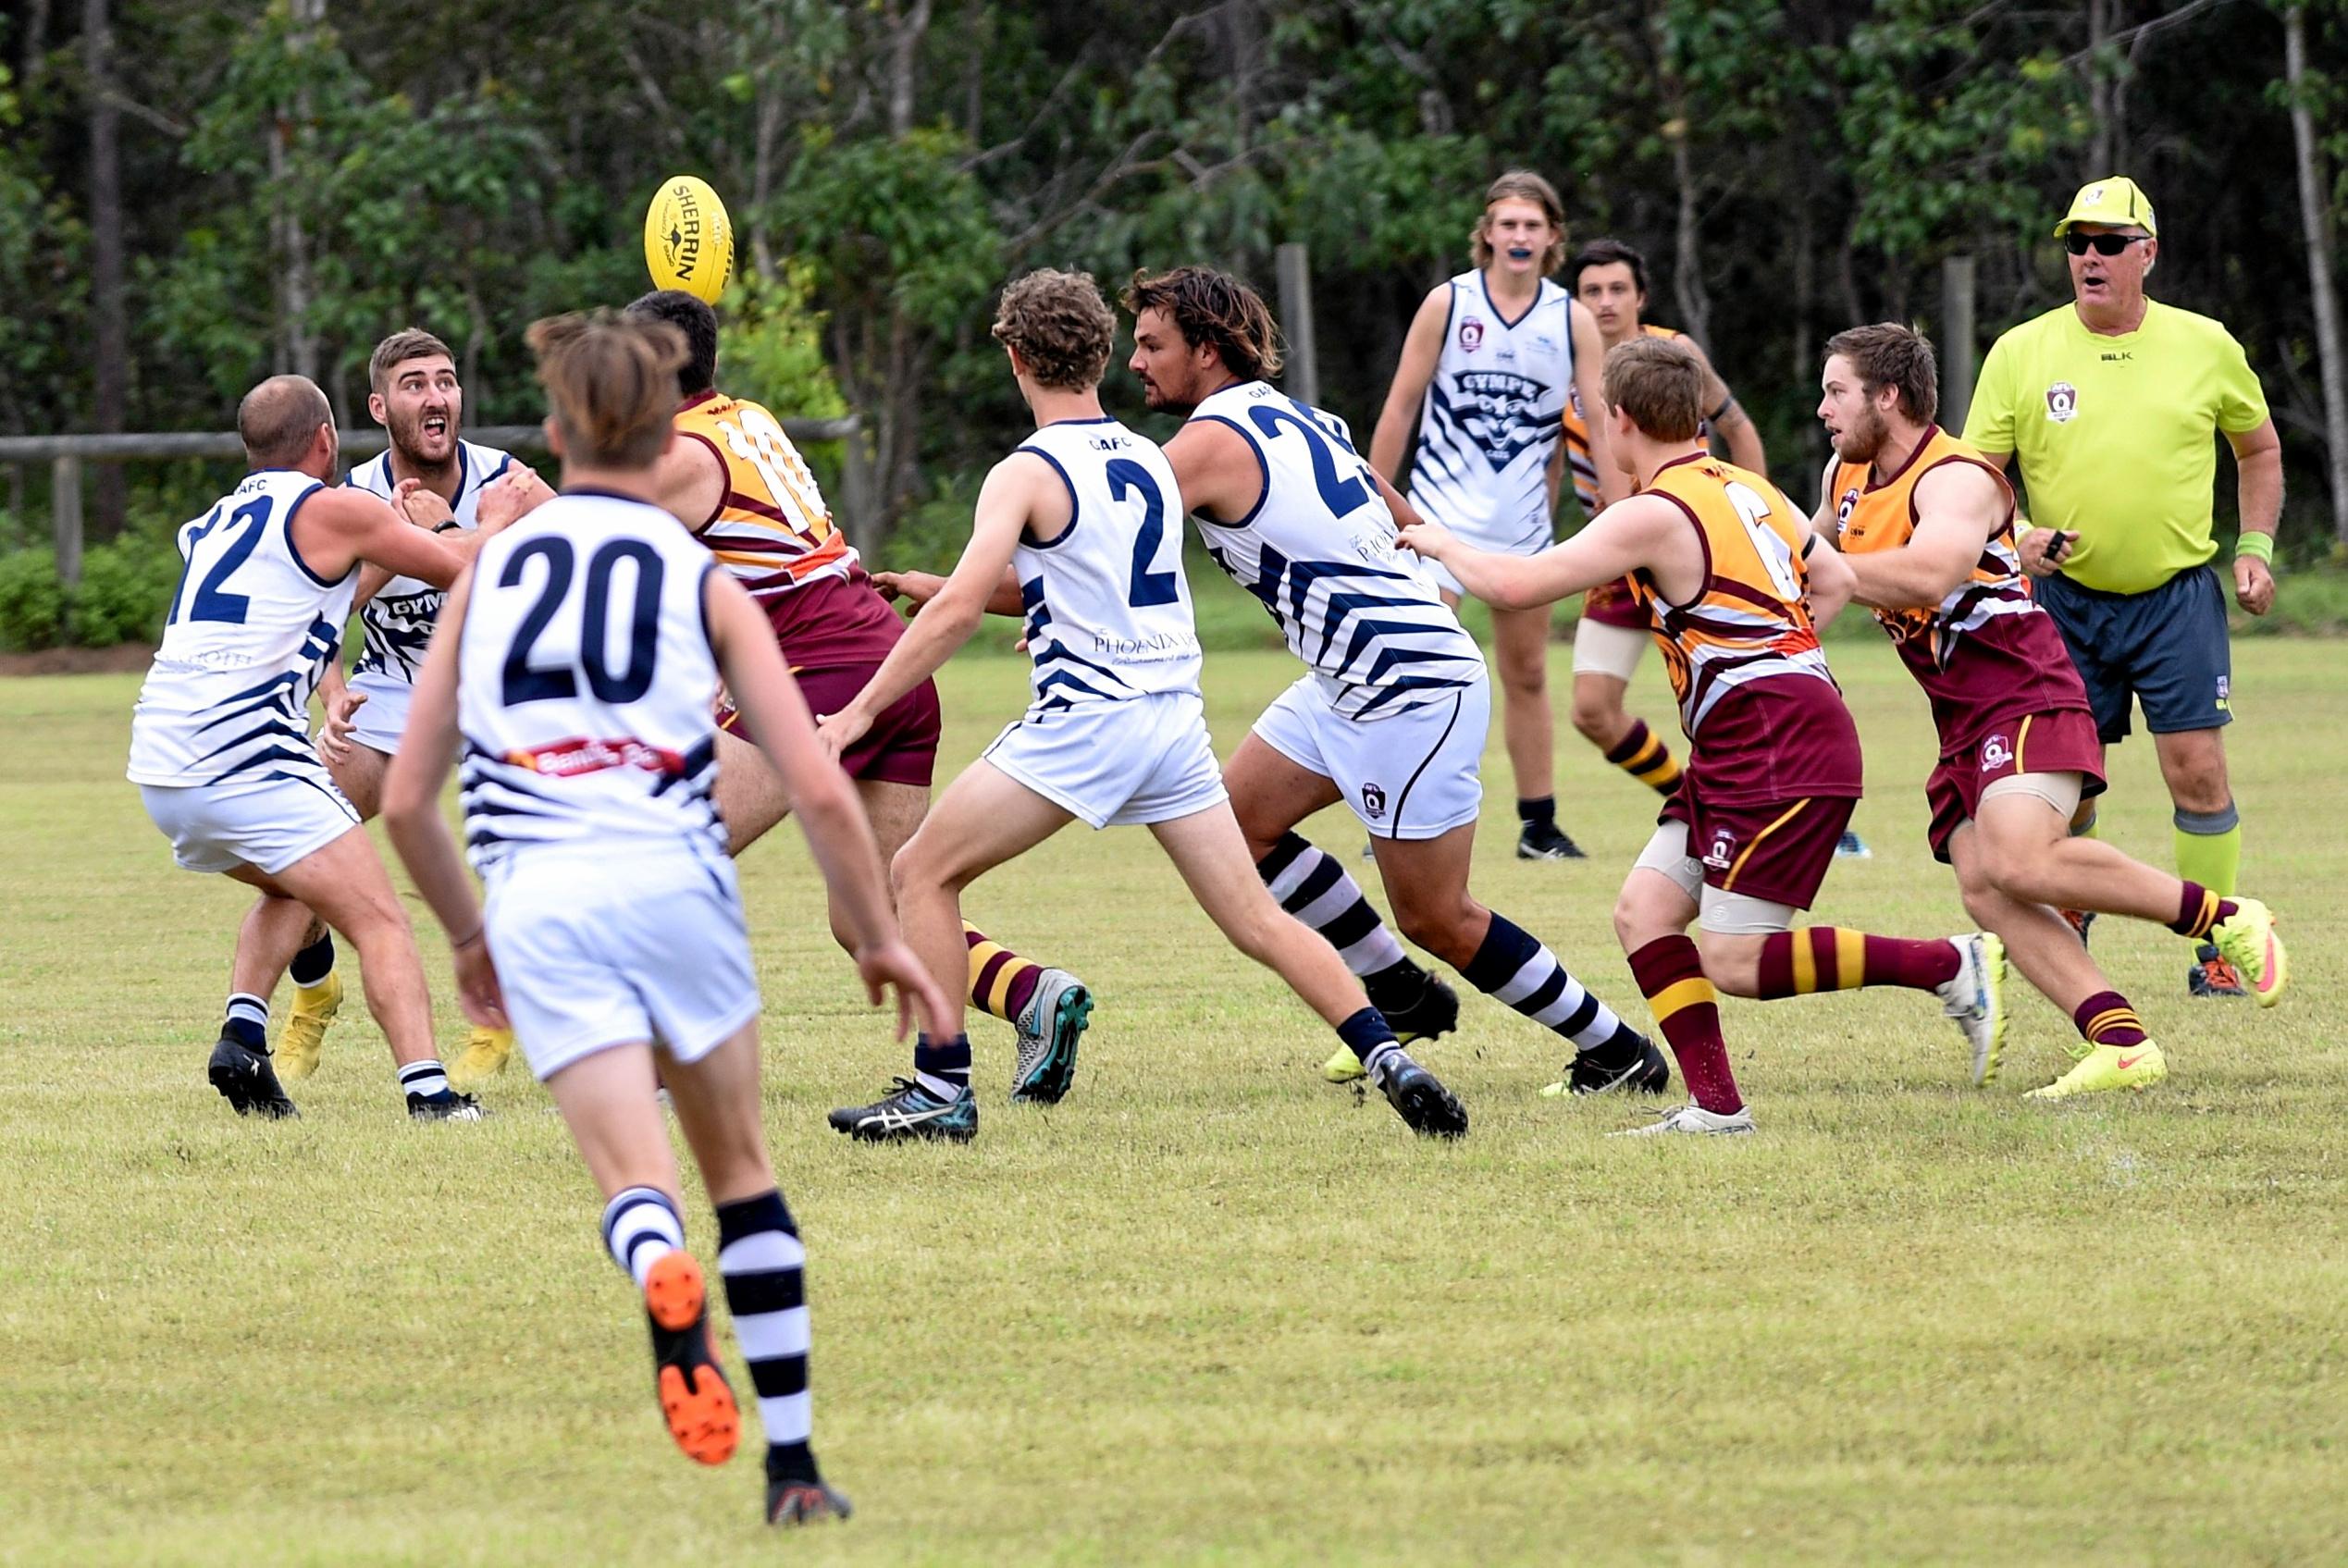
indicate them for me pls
(2111, 402)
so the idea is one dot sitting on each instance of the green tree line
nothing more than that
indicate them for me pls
(195, 194)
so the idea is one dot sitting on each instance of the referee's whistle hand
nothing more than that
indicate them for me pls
(2042, 550)
(2254, 585)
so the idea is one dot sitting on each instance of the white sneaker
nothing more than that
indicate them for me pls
(1693, 1119)
(1976, 999)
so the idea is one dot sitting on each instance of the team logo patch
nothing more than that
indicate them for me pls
(1471, 334)
(2062, 402)
(1723, 854)
(2225, 695)
(1996, 753)
(1373, 803)
(1844, 508)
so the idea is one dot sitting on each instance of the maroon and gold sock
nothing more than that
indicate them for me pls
(1797, 963)
(1687, 1010)
(2106, 1019)
(1642, 755)
(1002, 983)
(2198, 909)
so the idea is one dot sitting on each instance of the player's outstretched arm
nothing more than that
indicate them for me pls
(1959, 507)
(917, 588)
(412, 814)
(1614, 545)
(335, 530)
(820, 795)
(1589, 386)
(1006, 502)
(1422, 348)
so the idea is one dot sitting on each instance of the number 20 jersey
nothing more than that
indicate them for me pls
(586, 683)
(250, 630)
(1319, 553)
(1106, 606)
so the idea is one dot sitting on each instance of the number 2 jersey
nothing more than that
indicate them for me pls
(250, 630)
(1764, 719)
(1319, 552)
(1107, 608)
(1985, 655)
(586, 683)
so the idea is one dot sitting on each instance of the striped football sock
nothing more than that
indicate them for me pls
(641, 1228)
(763, 1265)
(426, 1078)
(247, 1022)
(2106, 1019)
(1310, 885)
(1686, 1009)
(943, 1071)
(1642, 754)
(1002, 983)
(1797, 963)
(1512, 967)
(2198, 909)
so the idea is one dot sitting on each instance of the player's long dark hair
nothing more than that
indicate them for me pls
(1207, 306)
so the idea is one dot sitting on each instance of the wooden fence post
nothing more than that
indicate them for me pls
(1956, 340)
(1303, 381)
(65, 511)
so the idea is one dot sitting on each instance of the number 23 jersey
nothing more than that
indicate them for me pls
(584, 683)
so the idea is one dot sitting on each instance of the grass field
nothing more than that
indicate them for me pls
(1210, 1310)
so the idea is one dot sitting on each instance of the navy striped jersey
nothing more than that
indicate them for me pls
(1107, 607)
(250, 631)
(1494, 412)
(396, 625)
(1319, 552)
(586, 684)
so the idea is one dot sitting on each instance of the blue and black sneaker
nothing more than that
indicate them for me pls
(247, 1081)
(1048, 1031)
(1418, 1097)
(910, 1111)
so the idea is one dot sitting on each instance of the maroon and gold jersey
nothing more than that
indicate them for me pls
(1987, 653)
(1763, 717)
(1610, 604)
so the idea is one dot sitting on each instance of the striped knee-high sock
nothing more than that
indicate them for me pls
(1686, 1009)
(1642, 754)
(2106, 1019)
(764, 1263)
(1310, 885)
(1512, 967)
(1815, 959)
(1002, 983)
(641, 1228)
(247, 1020)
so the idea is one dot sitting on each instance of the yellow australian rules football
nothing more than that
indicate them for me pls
(689, 240)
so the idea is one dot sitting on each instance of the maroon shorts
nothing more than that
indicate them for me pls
(1614, 604)
(1777, 850)
(900, 747)
(2060, 742)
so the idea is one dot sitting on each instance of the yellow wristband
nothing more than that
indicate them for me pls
(2258, 547)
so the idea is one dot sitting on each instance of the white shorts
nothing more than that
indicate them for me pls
(1525, 536)
(383, 717)
(1116, 764)
(267, 823)
(1413, 774)
(618, 944)
(1602, 649)
(1723, 913)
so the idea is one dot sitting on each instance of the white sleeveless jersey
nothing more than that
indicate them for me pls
(396, 625)
(1319, 550)
(250, 630)
(1493, 414)
(585, 686)
(1108, 609)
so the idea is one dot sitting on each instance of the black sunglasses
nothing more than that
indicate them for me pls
(2079, 245)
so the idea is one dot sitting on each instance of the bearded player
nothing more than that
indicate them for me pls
(1927, 526)
(1718, 558)
(735, 479)
(439, 480)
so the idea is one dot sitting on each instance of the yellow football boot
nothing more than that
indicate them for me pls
(2108, 1067)
(306, 1026)
(2249, 943)
(1342, 1068)
(484, 1055)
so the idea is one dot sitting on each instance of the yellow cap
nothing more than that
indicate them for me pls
(2116, 201)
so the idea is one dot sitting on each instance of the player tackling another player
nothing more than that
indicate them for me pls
(1927, 526)
(220, 744)
(577, 666)
(1717, 556)
(1078, 532)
